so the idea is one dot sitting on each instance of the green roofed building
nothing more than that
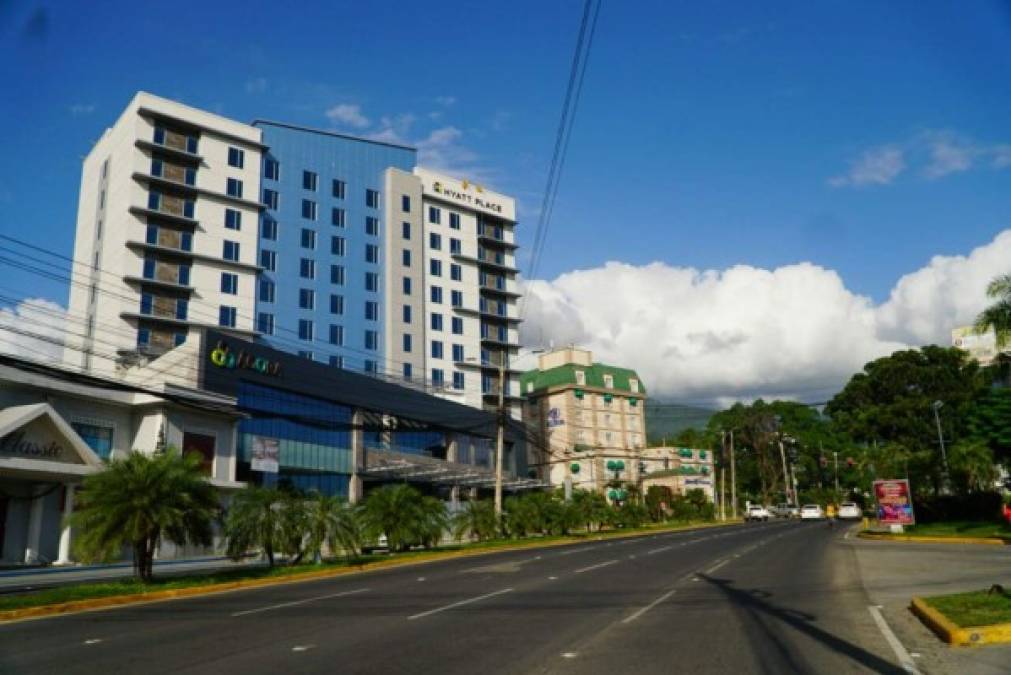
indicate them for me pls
(587, 420)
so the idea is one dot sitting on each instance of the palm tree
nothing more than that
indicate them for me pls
(254, 521)
(392, 511)
(331, 520)
(972, 462)
(998, 315)
(431, 521)
(477, 519)
(138, 501)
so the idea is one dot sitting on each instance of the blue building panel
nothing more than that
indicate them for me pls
(360, 166)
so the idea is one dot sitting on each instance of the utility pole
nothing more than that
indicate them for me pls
(500, 445)
(940, 439)
(835, 459)
(786, 473)
(733, 478)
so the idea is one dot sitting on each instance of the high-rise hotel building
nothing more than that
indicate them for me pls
(337, 248)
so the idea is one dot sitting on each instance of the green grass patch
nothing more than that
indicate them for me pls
(961, 528)
(974, 609)
(105, 589)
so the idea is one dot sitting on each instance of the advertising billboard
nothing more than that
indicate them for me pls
(265, 454)
(895, 502)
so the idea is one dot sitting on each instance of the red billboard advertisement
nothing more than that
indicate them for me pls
(895, 502)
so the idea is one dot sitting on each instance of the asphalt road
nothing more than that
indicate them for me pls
(781, 597)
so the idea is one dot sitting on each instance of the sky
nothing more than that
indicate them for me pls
(783, 190)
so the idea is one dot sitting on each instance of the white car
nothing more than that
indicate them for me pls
(811, 512)
(849, 511)
(757, 513)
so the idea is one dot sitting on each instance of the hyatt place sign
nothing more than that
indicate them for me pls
(462, 195)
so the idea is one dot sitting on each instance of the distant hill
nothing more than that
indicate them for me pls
(667, 419)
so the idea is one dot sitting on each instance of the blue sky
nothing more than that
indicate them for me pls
(865, 137)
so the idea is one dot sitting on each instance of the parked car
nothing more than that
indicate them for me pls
(811, 512)
(785, 511)
(757, 513)
(849, 511)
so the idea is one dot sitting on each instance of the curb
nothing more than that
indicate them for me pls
(955, 635)
(924, 539)
(94, 604)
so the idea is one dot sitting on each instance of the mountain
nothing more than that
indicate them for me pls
(667, 419)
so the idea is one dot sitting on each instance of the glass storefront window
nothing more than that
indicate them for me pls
(98, 438)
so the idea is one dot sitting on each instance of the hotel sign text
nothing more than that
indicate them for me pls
(462, 195)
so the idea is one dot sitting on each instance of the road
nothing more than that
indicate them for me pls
(780, 597)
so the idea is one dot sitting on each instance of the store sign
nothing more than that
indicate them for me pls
(555, 417)
(895, 502)
(266, 454)
(468, 193)
(17, 444)
(224, 356)
(698, 481)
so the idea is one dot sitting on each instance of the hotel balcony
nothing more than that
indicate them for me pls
(491, 264)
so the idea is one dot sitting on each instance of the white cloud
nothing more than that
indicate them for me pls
(878, 166)
(256, 85)
(446, 101)
(948, 154)
(794, 331)
(82, 109)
(40, 317)
(348, 114)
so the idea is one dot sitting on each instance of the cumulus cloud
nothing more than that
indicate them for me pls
(82, 109)
(46, 320)
(348, 114)
(445, 100)
(878, 166)
(714, 335)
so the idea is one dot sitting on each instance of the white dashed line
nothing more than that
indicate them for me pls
(302, 648)
(93, 641)
(659, 550)
(594, 567)
(648, 607)
(299, 602)
(717, 566)
(904, 659)
(461, 603)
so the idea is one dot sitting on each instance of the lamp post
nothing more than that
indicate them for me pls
(937, 405)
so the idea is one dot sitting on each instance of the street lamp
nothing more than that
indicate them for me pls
(937, 405)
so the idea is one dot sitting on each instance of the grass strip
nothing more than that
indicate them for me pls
(961, 528)
(973, 609)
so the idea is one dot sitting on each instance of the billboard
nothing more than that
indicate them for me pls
(555, 418)
(895, 502)
(266, 454)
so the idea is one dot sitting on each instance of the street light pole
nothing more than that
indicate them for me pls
(835, 458)
(786, 474)
(937, 405)
(500, 444)
(733, 478)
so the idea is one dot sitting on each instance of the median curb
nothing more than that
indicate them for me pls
(112, 601)
(925, 539)
(955, 635)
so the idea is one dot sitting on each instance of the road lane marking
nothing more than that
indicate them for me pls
(643, 610)
(569, 655)
(299, 602)
(594, 567)
(93, 641)
(461, 603)
(659, 550)
(576, 550)
(717, 566)
(302, 648)
(552, 578)
(904, 659)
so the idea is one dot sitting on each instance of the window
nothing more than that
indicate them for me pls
(98, 438)
(436, 294)
(436, 349)
(458, 381)
(405, 230)
(371, 253)
(229, 283)
(458, 353)
(271, 169)
(370, 366)
(337, 218)
(609, 381)
(233, 187)
(581, 377)
(406, 257)
(407, 366)
(309, 180)
(435, 267)
(236, 157)
(405, 203)
(338, 189)
(434, 214)
(338, 246)
(230, 250)
(306, 298)
(305, 330)
(269, 229)
(336, 304)
(337, 361)
(457, 325)
(372, 226)
(455, 272)
(305, 354)
(308, 239)
(407, 314)
(201, 445)
(434, 241)
(270, 199)
(267, 290)
(371, 310)
(454, 246)
(454, 221)
(309, 209)
(226, 316)
(265, 323)
(438, 377)
(407, 343)
(633, 384)
(336, 334)
(372, 199)
(337, 275)
(456, 298)
(371, 340)
(372, 281)
(268, 260)
(436, 321)
(407, 285)
(307, 268)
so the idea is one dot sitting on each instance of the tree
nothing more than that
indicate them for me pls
(477, 518)
(997, 316)
(658, 499)
(141, 499)
(254, 521)
(990, 421)
(404, 516)
(972, 466)
(334, 522)
(592, 508)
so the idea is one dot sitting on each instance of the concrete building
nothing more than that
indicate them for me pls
(332, 247)
(981, 346)
(586, 419)
(679, 469)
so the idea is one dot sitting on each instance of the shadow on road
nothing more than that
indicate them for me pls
(758, 605)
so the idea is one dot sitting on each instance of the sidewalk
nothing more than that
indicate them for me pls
(34, 578)
(893, 572)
